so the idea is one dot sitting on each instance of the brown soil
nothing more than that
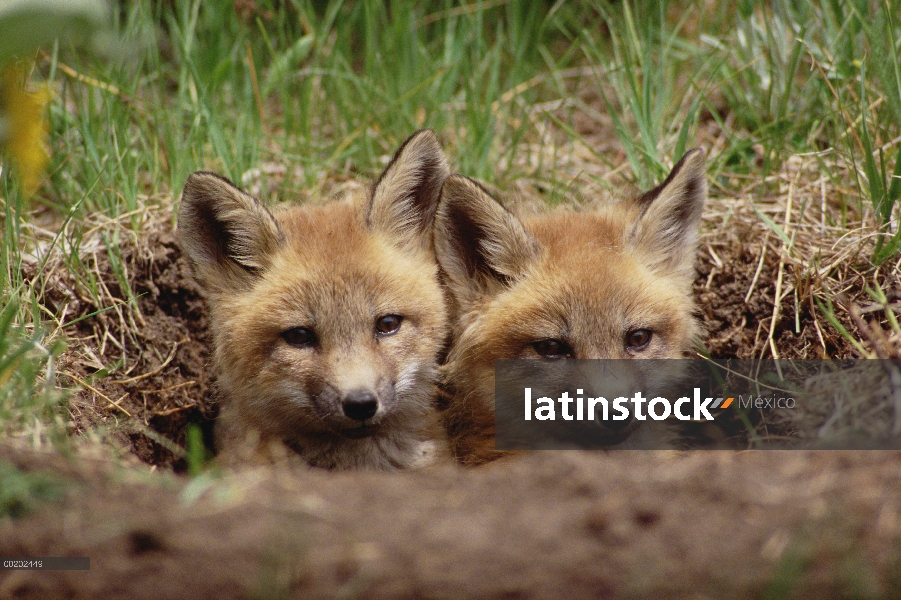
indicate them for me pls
(548, 525)
(146, 405)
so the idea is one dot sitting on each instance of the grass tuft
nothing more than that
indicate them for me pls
(30, 398)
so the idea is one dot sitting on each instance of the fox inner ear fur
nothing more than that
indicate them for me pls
(667, 228)
(480, 245)
(224, 231)
(405, 197)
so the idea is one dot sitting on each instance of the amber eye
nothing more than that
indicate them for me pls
(638, 339)
(388, 324)
(552, 348)
(301, 337)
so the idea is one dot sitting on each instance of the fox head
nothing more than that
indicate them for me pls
(327, 320)
(614, 283)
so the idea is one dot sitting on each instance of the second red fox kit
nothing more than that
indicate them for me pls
(327, 321)
(615, 283)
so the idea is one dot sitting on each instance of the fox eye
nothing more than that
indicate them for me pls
(551, 348)
(301, 337)
(638, 339)
(388, 324)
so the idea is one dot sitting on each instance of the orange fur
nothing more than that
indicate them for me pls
(296, 302)
(586, 281)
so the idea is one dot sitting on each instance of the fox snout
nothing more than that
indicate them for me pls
(360, 404)
(357, 388)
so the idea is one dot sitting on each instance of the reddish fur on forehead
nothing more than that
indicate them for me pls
(332, 245)
(563, 231)
(600, 273)
(314, 230)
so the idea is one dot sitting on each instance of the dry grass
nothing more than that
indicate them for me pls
(784, 260)
(135, 330)
(858, 406)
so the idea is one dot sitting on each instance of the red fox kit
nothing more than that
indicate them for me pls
(614, 283)
(327, 321)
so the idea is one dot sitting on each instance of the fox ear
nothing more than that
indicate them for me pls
(226, 233)
(405, 197)
(667, 228)
(480, 245)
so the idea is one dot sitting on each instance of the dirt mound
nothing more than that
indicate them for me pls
(546, 525)
(736, 291)
(137, 348)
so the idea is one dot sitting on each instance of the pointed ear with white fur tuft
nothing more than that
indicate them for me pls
(480, 245)
(405, 197)
(667, 228)
(228, 235)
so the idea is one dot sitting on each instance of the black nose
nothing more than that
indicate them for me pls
(360, 405)
(617, 425)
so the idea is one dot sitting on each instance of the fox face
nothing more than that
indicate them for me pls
(326, 320)
(612, 283)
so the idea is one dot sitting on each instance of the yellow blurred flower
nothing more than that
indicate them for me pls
(23, 128)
